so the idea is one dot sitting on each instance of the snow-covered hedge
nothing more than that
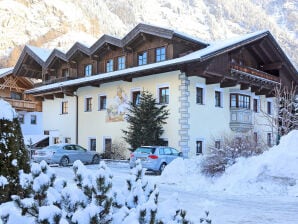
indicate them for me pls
(91, 199)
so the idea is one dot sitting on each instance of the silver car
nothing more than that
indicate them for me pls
(64, 154)
(154, 158)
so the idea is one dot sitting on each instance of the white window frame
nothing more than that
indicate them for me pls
(110, 65)
(220, 143)
(132, 90)
(33, 115)
(61, 107)
(90, 68)
(203, 86)
(67, 138)
(85, 103)
(221, 97)
(103, 142)
(160, 86)
(98, 102)
(89, 143)
(203, 146)
(258, 104)
(121, 66)
(272, 106)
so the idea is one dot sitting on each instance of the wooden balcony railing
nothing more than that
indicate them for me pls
(24, 105)
(255, 72)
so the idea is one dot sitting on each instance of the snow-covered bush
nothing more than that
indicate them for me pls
(13, 154)
(91, 199)
(217, 160)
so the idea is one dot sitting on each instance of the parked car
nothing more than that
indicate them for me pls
(64, 154)
(154, 158)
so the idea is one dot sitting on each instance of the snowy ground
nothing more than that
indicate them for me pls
(223, 207)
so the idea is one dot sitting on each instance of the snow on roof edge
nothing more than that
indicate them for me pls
(197, 55)
(6, 71)
(42, 53)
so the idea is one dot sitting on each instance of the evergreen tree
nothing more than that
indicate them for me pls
(13, 157)
(145, 122)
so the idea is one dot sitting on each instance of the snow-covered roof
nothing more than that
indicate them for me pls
(5, 71)
(33, 139)
(200, 55)
(42, 53)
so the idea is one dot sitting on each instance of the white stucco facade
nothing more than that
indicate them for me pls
(188, 121)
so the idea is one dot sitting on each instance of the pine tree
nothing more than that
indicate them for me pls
(145, 122)
(13, 157)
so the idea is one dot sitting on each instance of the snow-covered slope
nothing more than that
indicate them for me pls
(273, 172)
(58, 23)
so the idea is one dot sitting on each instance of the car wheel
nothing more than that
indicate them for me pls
(95, 159)
(162, 167)
(64, 161)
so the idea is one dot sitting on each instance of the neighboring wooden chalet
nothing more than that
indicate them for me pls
(189, 71)
(12, 90)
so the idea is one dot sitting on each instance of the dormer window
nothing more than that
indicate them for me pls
(121, 62)
(160, 54)
(142, 58)
(88, 70)
(110, 65)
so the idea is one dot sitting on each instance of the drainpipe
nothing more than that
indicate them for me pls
(77, 114)
(77, 118)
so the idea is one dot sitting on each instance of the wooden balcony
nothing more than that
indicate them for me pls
(24, 105)
(254, 72)
(240, 119)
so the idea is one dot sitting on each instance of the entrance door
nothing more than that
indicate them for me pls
(107, 145)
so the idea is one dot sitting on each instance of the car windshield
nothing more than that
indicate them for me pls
(145, 150)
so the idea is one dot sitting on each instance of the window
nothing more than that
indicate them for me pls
(164, 95)
(121, 63)
(67, 140)
(88, 104)
(64, 107)
(16, 96)
(160, 54)
(92, 144)
(239, 101)
(218, 99)
(269, 109)
(199, 95)
(65, 72)
(56, 140)
(256, 137)
(110, 65)
(88, 70)
(136, 97)
(255, 105)
(217, 144)
(199, 147)
(21, 118)
(33, 119)
(269, 139)
(107, 144)
(142, 58)
(102, 102)
(164, 142)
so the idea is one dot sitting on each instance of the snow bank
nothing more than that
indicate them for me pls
(6, 111)
(185, 172)
(273, 172)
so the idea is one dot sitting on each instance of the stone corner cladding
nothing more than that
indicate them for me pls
(184, 113)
